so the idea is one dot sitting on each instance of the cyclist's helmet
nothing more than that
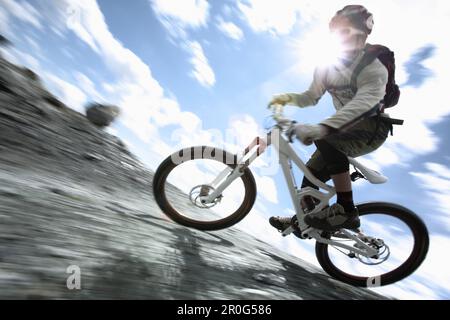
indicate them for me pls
(358, 16)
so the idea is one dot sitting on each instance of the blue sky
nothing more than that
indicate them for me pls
(191, 72)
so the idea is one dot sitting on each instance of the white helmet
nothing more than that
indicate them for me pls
(358, 16)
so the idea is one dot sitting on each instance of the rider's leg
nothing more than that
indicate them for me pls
(343, 186)
(343, 214)
(324, 161)
(322, 174)
(337, 165)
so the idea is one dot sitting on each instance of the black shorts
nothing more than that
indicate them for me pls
(333, 150)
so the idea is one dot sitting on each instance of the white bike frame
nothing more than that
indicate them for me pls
(287, 154)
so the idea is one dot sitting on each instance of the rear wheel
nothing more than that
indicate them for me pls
(398, 234)
(186, 175)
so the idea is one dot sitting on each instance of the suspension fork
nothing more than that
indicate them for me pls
(244, 161)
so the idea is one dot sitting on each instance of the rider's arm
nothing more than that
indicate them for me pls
(311, 96)
(371, 84)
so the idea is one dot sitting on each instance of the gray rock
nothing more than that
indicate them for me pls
(102, 115)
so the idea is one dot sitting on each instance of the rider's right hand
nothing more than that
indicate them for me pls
(280, 99)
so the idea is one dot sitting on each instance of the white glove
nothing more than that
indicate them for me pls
(307, 133)
(281, 99)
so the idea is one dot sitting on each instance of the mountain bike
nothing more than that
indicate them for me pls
(208, 188)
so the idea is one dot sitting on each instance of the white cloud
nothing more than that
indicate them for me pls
(386, 156)
(88, 87)
(179, 15)
(202, 72)
(438, 169)
(245, 128)
(434, 270)
(424, 106)
(267, 188)
(436, 182)
(21, 58)
(4, 23)
(67, 92)
(192, 13)
(134, 74)
(276, 17)
(76, 24)
(23, 11)
(433, 181)
(138, 94)
(230, 29)
(430, 280)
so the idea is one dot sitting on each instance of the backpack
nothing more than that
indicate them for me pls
(386, 57)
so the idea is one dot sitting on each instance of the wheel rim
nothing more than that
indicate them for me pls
(182, 188)
(407, 249)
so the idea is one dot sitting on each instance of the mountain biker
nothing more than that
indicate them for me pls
(351, 25)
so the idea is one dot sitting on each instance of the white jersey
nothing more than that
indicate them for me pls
(370, 85)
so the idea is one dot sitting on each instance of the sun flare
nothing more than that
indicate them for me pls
(318, 48)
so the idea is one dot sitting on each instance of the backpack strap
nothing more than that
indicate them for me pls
(371, 52)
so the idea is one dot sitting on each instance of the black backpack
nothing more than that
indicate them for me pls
(386, 57)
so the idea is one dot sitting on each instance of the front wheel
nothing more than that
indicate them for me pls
(400, 237)
(186, 176)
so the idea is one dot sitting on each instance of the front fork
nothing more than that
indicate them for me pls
(229, 174)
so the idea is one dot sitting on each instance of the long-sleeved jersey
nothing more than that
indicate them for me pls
(370, 89)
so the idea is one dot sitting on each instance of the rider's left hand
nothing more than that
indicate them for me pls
(307, 133)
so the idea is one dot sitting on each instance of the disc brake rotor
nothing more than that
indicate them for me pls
(377, 244)
(202, 191)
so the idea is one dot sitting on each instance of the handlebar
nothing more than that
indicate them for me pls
(277, 115)
(286, 125)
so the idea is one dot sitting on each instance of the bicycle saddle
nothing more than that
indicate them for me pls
(371, 175)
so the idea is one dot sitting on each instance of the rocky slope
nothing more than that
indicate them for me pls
(73, 195)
